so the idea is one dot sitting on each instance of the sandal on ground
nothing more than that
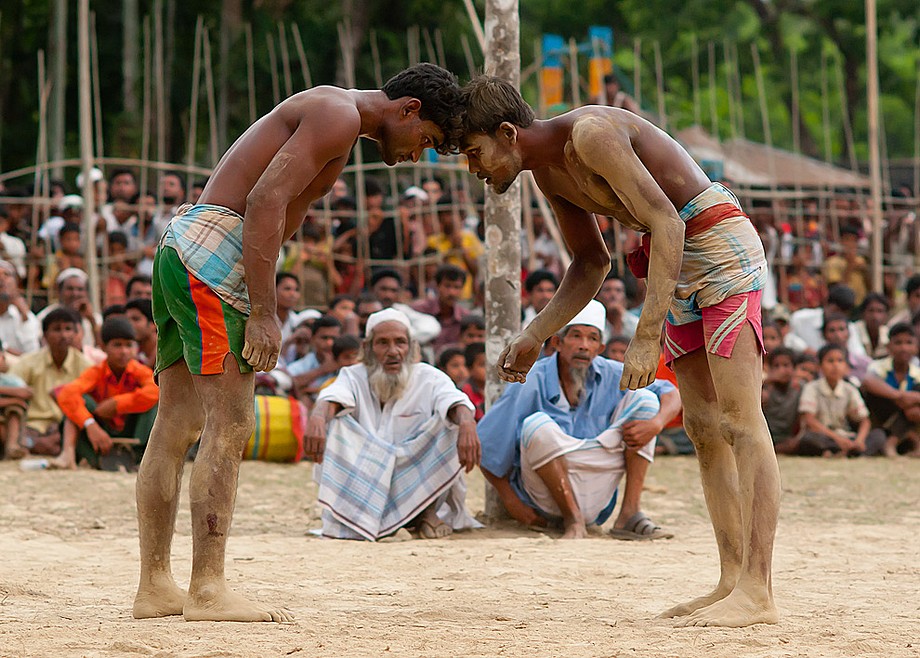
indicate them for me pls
(640, 528)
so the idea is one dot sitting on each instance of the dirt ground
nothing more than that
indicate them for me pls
(847, 574)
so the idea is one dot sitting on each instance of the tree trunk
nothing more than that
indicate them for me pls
(57, 53)
(503, 219)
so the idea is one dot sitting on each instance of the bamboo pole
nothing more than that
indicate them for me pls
(542, 110)
(477, 26)
(58, 53)
(573, 73)
(250, 73)
(86, 150)
(429, 46)
(302, 57)
(874, 163)
(439, 48)
(468, 54)
(40, 178)
(794, 82)
(145, 128)
(285, 60)
(209, 90)
(695, 73)
(160, 86)
(739, 97)
(713, 110)
(97, 97)
(847, 124)
(659, 86)
(192, 145)
(825, 111)
(767, 133)
(916, 188)
(273, 65)
(729, 80)
(412, 41)
(637, 70)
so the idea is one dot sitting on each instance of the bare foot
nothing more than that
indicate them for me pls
(575, 530)
(218, 603)
(433, 529)
(162, 599)
(685, 609)
(735, 610)
(13, 451)
(63, 462)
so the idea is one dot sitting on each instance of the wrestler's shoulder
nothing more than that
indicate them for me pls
(320, 101)
(598, 126)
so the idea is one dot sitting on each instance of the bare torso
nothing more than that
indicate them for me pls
(247, 159)
(576, 179)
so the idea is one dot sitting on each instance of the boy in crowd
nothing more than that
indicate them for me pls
(836, 331)
(806, 368)
(14, 400)
(452, 362)
(345, 352)
(318, 366)
(615, 349)
(892, 393)
(116, 398)
(780, 398)
(474, 356)
(140, 314)
(472, 330)
(830, 406)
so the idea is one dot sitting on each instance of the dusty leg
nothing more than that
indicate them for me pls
(718, 473)
(177, 425)
(744, 427)
(12, 449)
(229, 420)
(556, 476)
(68, 457)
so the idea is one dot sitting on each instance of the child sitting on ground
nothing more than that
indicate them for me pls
(475, 388)
(780, 400)
(116, 398)
(345, 351)
(806, 368)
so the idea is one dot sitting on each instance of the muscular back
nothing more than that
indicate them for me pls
(328, 112)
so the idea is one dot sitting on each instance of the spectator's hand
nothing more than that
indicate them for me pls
(524, 513)
(637, 433)
(106, 409)
(907, 399)
(86, 310)
(263, 341)
(315, 443)
(20, 303)
(24, 392)
(518, 358)
(99, 438)
(329, 366)
(640, 363)
(468, 448)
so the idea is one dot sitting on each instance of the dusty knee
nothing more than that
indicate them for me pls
(701, 427)
(230, 424)
(734, 429)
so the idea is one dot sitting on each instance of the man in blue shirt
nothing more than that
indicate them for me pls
(557, 445)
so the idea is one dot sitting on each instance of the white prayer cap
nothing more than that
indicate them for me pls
(95, 175)
(71, 272)
(8, 267)
(593, 315)
(415, 192)
(69, 201)
(387, 315)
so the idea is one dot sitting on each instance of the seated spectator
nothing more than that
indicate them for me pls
(472, 330)
(912, 291)
(459, 246)
(400, 428)
(848, 267)
(342, 308)
(287, 295)
(318, 366)
(115, 399)
(540, 286)
(365, 306)
(12, 248)
(556, 447)
(387, 287)
(807, 323)
(892, 393)
(20, 330)
(14, 400)
(830, 407)
(71, 289)
(43, 371)
(346, 350)
(70, 251)
(139, 312)
(871, 328)
(780, 399)
(474, 356)
(620, 322)
(836, 331)
(449, 280)
(139, 286)
(806, 368)
(119, 270)
(452, 362)
(615, 349)
(779, 315)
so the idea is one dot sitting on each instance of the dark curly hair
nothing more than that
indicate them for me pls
(489, 100)
(439, 93)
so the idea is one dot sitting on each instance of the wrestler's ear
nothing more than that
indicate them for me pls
(411, 106)
(508, 131)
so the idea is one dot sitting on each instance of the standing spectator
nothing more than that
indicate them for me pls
(434, 188)
(287, 294)
(892, 393)
(804, 289)
(545, 250)
(139, 286)
(616, 97)
(540, 286)
(197, 188)
(620, 322)
(12, 248)
(807, 323)
(120, 213)
(411, 211)
(446, 308)
(366, 305)
(381, 229)
(172, 191)
(780, 316)
(459, 246)
(848, 267)
(71, 287)
(387, 286)
(830, 406)
(912, 290)
(140, 314)
(20, 330)
(780, 399)
(871, 328)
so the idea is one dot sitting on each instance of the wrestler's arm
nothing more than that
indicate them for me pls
(607, 150)
(290, 171)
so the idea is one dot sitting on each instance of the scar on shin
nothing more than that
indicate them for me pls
(212, 526)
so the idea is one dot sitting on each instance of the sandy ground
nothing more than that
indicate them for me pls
(847, 574)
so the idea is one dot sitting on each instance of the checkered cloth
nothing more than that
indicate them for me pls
(374, 487)
(209, 241)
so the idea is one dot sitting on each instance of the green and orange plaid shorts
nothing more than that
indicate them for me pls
(193, 323)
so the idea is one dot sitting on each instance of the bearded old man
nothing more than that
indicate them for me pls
(392, 435)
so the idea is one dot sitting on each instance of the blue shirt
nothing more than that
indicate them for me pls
(500, 429)
(304, 365)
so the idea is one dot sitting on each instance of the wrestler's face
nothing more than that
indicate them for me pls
(495, 158)
(390, 345)
(405, 136)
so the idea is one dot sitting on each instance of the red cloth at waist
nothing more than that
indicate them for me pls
(638, 259)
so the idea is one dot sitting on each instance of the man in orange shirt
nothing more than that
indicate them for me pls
(116, 398)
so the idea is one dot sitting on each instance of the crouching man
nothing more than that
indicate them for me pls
(391, 435)
(557, 446)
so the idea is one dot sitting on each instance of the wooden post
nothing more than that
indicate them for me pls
(159, 86)
(696, 82)
(477, 27)
(86, 152)
(209, 90)
(57, 53)
(659, 86)
(637, 70)
(250, 73)
(129, 21)
(844, 108)
(875, 173)
(735, 72)
(41, 177)
(97, 97)
(825, 111)
(574, 78)
(713, 109)
(727, 59)
(916, 189)
(502, 216)
(285, 60)
(794, 82)
(192, 147)
(145, 128)
(468, 54)
(302, 57)
(273, 64)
